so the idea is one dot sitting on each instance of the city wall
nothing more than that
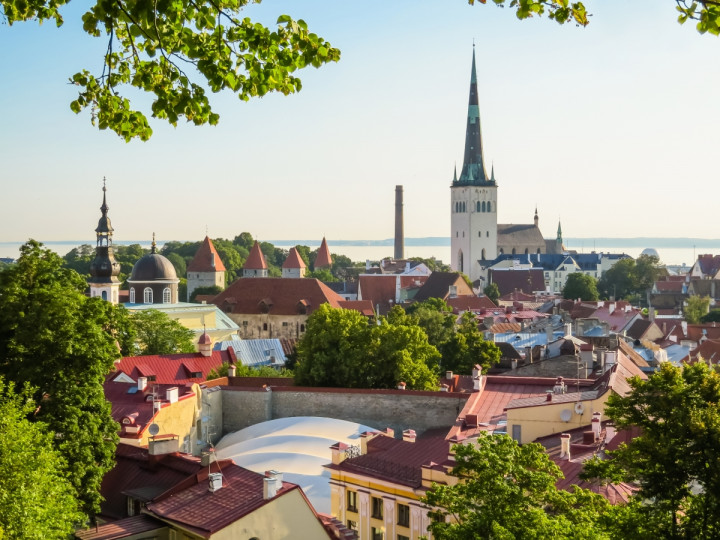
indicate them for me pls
(397, 409)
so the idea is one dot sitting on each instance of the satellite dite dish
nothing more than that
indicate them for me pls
(154, 429)
(565, 415)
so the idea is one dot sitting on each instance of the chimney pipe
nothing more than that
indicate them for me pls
(565, 446)
(596, 425)
(401, 386)
(231, 370)
(399, 233)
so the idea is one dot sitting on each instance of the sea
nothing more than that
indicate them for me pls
(672, 251)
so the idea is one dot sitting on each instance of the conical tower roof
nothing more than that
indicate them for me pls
(324, 259)
(294, 260)
(206, 259)
(256, 259)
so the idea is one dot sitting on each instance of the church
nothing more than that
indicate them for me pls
(476, 237)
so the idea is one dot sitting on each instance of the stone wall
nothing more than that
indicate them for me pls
(397, 409)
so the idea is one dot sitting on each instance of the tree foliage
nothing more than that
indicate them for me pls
(507, 491)
(674, 459)
(63, 344)
(175, 51)
(207, 289)
(157, 333)
(630, 277)
(36, 499)
(247, 371)
(696, 307)
(340, 348)
(492, 292)
(582, 286)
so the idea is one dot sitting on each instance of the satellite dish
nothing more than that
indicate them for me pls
(579, 408)
(565, 415)
(154, 429)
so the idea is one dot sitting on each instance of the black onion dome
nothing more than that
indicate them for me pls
(153, 267)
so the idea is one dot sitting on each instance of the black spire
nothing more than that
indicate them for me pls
(473, 171)
(104, 268)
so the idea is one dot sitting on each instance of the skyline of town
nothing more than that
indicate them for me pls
(605, 106)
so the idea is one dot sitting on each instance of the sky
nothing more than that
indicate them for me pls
(612, 129)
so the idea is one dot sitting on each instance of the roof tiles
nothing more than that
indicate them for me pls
(206, 259)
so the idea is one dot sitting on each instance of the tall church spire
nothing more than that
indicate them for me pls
(104, 269)
(473, 171)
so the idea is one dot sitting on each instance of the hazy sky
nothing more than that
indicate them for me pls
(612, 128)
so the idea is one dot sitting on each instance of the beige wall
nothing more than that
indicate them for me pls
(544, 420)
(204, 279)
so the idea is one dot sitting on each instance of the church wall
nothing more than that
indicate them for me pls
(204, 279)
(473, 232)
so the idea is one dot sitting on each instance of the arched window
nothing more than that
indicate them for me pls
(483, 206)
(538, 251)
(483, 255)
(460, 261)
(167, 297)
(489, 206)
(132, 295)
(479, 234)
(487, 234)
(147, 296)
(478, 206)
(104, 295)
(527, 251)
(502, 251)
(513, 251)
(464, 207)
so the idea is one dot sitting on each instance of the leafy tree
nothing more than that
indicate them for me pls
(322, 274)
(492, 292)
(712, 316)
(696, 307)
(63, 344)
(341, 349)
(435, 317)
(209, 289)
(178, 263)
(674, 459)
(80, 258)
(244, 240)
(582, 286)
(151, 45)
(36, 498)
(648, 270)
(467, 347)
(247, 371)
(630, 278)
(159, 334)
(507, 491)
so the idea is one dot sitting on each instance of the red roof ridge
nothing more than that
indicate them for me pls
(323, 259)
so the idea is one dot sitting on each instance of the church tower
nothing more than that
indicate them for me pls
(473, 199)
(104, 269)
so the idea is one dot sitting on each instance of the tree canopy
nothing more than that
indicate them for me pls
(36, 499)
(696, 307)
(582, 286)
(342, 348)
(63, 344)
(629, 279)
(507, 491)
(156, 333)
(674, 458)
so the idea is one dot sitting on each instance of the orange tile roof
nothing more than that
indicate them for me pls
(276, 296)
(294, 260)
(256, 259)
(323, 259)
(378, 289)
(363, 306)
(204, 257)
(470, 303)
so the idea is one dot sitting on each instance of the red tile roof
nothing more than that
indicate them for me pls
(294, 260)
(470, 303)
(276, 296)
(256, 259)
(363, 306)
(323, 259)
(695, 332)
(708, 350)
(397, 461)
(144, 475)
(379, 289)
(524, 281)
(122, 528)
(669, 286)
(192, 505)
(204, 257)
(170, 368)
(438, 286)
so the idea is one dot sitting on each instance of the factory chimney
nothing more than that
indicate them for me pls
(399, 233)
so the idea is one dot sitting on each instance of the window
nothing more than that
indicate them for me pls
(489, 206)
(516, 432)
(264, 327)
(132, 295)
(147, 296)
(244, 323)
(403, 515)
(402, 537)
(377, 508)
(104, 295)
(483, 206)
(479, 234)
(377, 534)
(285, 323)
(302, 327)
(352, 525)
(487, 234)
(352, 501)
(167, 298)
(477, 209)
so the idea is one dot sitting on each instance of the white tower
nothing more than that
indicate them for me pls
(473, 199)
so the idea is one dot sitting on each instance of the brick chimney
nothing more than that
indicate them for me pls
(141, 383)
(596, 425)
(409, 435)
(565, 446)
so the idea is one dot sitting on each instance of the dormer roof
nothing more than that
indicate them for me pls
(294, 260)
